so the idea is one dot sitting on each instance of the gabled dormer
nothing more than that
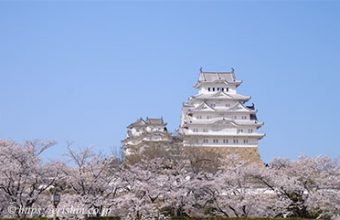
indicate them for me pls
(203, 107)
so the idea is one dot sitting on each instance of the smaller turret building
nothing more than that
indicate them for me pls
(143, 133)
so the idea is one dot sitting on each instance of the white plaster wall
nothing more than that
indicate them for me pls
(204, 88)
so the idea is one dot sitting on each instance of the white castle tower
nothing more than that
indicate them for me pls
(144, 133)
(217, 116)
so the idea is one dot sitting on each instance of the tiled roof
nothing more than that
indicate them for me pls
(138, 123)
(222, 95)
(155, 121)
(149, 121)
(216, 76)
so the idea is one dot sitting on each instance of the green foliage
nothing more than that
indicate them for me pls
(209, 210)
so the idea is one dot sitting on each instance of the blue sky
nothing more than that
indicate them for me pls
(82, 71)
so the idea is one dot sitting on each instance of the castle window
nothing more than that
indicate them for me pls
(250, 130)
(195, 129)
(205, 141)
(222, 89)
(205, 130)
(213, 89)
(225, 141)
(215, 141)
(235, 141)
(245, 141)
(227, 89)
(218, 89)
(209, 89)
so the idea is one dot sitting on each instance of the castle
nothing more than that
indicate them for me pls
(216, 119)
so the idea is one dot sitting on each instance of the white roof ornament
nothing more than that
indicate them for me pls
(232, 72)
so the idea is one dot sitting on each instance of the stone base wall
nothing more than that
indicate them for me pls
(247, 155)
(202, 158)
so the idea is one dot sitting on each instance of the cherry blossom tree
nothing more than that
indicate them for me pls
(307, 187)
(93, 180)
(24, 178)
(231, 192)
(161, 186)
